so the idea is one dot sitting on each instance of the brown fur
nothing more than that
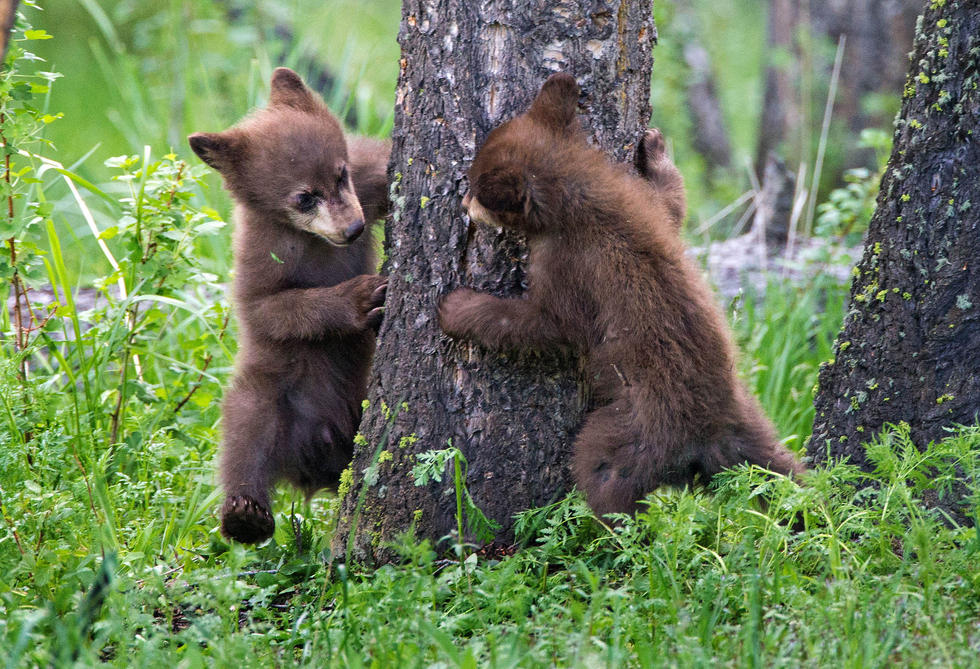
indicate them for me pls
(307, 300)
(608, 276)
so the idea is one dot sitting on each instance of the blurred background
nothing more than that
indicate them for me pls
(733, 80)
(777, 112)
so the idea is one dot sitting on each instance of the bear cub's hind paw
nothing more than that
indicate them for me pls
(246, 520)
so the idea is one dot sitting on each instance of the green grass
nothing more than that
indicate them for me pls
(785, 336)
(874, 579)
(109, 422)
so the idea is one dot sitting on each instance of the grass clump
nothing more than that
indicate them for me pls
(96, 568)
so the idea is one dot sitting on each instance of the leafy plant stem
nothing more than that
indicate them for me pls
(20, 291)
(458, 482)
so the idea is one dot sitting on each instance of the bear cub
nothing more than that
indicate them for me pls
(305, 293)
(608, 276)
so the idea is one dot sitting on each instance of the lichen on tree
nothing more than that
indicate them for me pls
(910, 347)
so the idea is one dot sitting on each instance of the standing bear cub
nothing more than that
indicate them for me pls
(608, 276)
(307, 300)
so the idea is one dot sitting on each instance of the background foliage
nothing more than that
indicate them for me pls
(109, 389)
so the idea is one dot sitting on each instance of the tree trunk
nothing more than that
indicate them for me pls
(910, 347)
(465, 68)
(8, 16)
(710, 135)
(878, 38)
(782, 113)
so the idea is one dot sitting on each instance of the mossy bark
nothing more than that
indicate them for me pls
(466, 68)
(910, 346)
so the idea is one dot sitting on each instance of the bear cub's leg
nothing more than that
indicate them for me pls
(496, 322)
(606, 464)
(247, 469)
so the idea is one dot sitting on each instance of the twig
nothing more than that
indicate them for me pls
(40, 533)
(13, 529)
(20, 290)
(824, 130)
(117, 411)
(204, 368)
(747, 195)
(173, 191)
(140, 581)
(91, 498)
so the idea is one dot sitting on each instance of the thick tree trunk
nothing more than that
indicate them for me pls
(465, 68)
(910, 347)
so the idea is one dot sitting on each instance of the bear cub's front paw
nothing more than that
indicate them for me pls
(246, 520)
(454, 309)
(367, 294)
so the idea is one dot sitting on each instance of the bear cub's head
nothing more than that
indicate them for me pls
(288, 163)
(516, 179)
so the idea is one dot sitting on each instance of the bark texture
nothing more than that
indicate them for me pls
(465, 68)
(910, 347)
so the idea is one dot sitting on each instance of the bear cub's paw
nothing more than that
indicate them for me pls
(245, 520)
(367, 294)
(454, 309)
(651, 152)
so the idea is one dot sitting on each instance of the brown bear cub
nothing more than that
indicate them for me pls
(307, 299)
(608, 276)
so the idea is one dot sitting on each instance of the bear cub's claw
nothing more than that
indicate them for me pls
(367, 294)
(246, 520)
(377, 302)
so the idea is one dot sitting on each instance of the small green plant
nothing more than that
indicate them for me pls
(430, 467)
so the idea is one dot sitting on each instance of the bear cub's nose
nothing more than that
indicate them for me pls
(354, 230)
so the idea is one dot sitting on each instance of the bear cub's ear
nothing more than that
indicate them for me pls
(219, 150)
(288, 90)
(503, 190)
(556, 102)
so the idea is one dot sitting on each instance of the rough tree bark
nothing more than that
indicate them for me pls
(910, 347)
(465, 68)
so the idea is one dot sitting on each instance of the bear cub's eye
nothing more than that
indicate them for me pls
(305, 201)
(342, 177)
